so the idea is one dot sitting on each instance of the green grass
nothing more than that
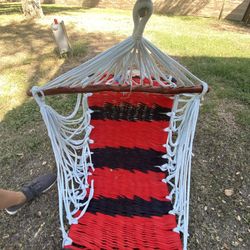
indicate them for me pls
(15, 8)
(219, 57)
(79, 48)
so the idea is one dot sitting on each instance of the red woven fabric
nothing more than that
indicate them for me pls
(131, 184)
(100, 231)
(99, 99)
(129, 209)
(129, 135)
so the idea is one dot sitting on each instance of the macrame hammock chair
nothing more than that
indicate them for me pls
(124, 154)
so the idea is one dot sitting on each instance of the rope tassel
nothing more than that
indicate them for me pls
(185, 113)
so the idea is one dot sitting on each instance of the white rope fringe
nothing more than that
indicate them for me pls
(72, 155)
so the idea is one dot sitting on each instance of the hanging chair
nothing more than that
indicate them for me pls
(124, 154)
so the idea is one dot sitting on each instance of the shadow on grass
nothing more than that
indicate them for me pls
(16, 8)
(31, 58)
(39, 65)
(10, 8)
(181, 7)
(229, 77)
(28, 42)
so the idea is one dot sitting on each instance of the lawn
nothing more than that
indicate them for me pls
(216, 51)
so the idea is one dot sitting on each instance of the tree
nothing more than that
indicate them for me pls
(222, 9)
(32, 8)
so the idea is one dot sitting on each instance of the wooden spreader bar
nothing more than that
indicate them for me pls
(115, 88)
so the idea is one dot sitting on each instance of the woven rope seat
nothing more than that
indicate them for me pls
(124, 154)
(129, 209)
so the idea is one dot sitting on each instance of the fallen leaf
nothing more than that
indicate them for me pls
(229, 192)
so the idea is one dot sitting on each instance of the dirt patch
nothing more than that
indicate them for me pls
(219, 220)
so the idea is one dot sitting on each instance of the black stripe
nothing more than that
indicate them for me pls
(127, 207)
(126, 111)
(129, 159)
(75, 245)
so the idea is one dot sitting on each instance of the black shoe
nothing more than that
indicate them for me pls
(34, 189)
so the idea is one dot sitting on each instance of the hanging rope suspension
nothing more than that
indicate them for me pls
(113, 70)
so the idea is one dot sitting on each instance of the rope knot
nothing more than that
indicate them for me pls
(143, 10)
(38, 94)
(205, 88)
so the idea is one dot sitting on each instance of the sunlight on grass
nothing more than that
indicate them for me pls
(11, 92)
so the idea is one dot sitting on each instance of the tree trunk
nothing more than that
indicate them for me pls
(32, 8)
(222, 9)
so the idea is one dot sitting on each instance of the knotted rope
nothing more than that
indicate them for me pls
(142, 11)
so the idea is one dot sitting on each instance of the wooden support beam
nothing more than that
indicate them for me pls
(116, 88)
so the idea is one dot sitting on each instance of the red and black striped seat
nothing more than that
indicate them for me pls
(129, 209)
